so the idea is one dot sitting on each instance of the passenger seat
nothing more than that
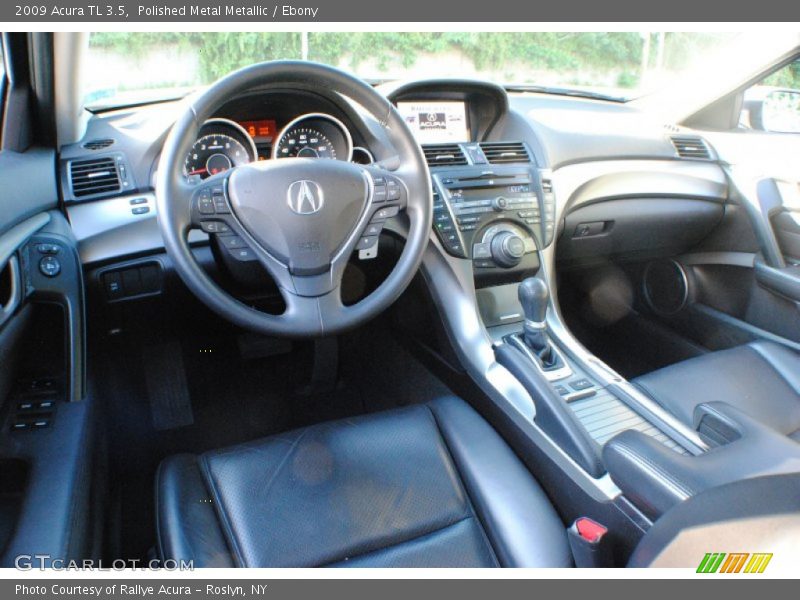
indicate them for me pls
(762, 379)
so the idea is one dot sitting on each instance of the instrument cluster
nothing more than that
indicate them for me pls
(224, 143)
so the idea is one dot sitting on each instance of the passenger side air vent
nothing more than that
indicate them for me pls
(98, 144)
(691, 147)
(94, 176)
(505, 152)
(442, 155)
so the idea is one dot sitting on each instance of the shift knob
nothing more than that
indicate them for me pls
(534, 295)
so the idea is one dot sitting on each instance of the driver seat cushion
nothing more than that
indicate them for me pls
(761, 379)
(429, 485)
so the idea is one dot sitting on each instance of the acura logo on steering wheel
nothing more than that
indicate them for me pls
(305, 197)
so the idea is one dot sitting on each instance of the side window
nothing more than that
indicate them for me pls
(773, 105)
(3, 83)
(2, 74)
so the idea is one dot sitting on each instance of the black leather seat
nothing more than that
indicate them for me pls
(426, 486)
(762, 379)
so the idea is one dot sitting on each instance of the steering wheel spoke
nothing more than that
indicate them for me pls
(388, 197)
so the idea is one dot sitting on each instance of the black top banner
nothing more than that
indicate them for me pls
(421, 11)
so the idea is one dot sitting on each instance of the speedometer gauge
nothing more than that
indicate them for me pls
(315, 135)
(305, 142)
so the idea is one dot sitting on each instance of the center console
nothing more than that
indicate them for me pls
(501, 217)
(577, 409)
(496, 216)
(491, 214)
(497, 209)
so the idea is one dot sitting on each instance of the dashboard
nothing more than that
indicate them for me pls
(505, 167)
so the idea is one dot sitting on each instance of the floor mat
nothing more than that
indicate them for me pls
(167, 389)
(235, 399)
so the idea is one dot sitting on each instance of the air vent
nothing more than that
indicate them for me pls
(441, 155)
(93, 177)
(505, 152)
(98, 144)
(691, 147)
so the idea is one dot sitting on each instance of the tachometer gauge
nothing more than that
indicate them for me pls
(215, 153)
(221, 145)
(315, 135)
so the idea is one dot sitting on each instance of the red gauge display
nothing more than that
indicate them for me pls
(260, 129)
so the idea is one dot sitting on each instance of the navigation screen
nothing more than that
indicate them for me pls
(436, 122)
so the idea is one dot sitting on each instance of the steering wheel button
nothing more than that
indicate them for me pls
(205, 206)
(221, 207)
(243, 254)
(233, 242)
(214, 227)
(385, 213)
(393, 190)
(373, 229)
(380, 194)
(367, 241)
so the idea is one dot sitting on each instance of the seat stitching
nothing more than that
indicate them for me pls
(464, 487)
(673, 483)
(647, 391)
(279, 468)
(221, 513)
(268, 485)
(401, 542)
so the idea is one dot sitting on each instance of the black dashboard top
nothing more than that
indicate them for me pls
(559, 130)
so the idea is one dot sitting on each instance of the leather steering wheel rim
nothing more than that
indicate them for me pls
(314, 306)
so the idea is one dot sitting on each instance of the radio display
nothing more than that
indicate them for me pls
(436, 122)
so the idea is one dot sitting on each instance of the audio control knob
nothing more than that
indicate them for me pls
(507, 249)
(500, 204)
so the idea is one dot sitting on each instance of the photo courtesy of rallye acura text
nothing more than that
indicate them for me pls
(306, 299)
(138, 590)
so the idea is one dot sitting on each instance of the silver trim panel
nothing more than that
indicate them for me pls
(107, 230)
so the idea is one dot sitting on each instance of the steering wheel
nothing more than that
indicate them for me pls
(301, 217)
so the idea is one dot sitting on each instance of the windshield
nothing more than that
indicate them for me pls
(132, 68)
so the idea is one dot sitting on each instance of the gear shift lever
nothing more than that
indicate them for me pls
(534, 296)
